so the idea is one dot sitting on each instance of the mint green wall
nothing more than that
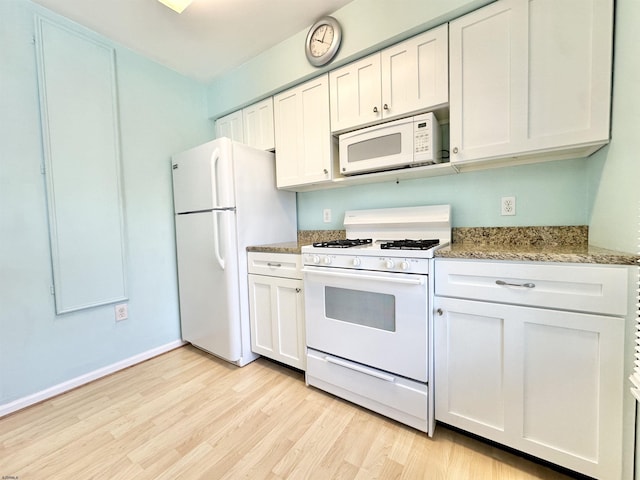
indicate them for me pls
(161, 113)
(553, 193)
(368, 25)
(615, 170)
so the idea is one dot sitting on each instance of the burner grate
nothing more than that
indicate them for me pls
(344, 243)
(409, 244)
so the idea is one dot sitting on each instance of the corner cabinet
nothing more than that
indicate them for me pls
(531, 356)
(276, 307)
(530, 79)
(257, 120)
(408, 77)
(230, 126)
(252, 125)
(305, 149)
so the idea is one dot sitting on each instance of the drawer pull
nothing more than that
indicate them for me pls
(525, 285)
(270, 264)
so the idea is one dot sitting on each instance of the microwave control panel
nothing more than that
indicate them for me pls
(426, 139)
(422, 134)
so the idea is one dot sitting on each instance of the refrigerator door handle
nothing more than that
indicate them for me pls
(216, 239)
(215, 157)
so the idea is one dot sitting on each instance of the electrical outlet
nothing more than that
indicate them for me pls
(122, 312)
(326, 215)
(508, 206)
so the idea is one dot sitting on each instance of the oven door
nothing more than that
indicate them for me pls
(378, 319)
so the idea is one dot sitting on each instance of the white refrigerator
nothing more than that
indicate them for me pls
(225, 199)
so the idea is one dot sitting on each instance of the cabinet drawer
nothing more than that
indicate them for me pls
(390, 395)
(579, 287)
(275, 264)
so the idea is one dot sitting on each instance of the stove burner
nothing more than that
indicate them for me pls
(343, 243)
(410, 244)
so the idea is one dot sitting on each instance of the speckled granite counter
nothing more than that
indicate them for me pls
(534, 244)
(305, 237)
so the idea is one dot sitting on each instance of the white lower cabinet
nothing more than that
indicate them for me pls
(545, 381)
(276, 305)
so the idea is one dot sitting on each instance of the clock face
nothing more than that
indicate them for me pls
(323, 41)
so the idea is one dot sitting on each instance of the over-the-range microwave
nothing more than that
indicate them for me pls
(407, 142)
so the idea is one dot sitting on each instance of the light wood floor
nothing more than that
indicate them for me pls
(188, 415)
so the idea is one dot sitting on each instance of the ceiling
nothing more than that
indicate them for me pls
(208, 39)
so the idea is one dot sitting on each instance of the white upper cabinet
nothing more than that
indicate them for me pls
(304, 147)
(258, 125)
(355, 94)
(252, 125)
(530, 78)
(230, 126)
(415, 74)
(403, 79)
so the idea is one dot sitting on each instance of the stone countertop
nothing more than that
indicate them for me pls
(529, 253)
(305, 237)
(529, 244)
(566, 244)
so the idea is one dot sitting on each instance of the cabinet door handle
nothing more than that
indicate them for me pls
(439, 312)
(297, 290)
(326, 171)
(386, 107)
(375, 109)
(525, 285)
(270, 264)
(455, 149)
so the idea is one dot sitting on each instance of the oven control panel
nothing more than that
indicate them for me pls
(368, 262)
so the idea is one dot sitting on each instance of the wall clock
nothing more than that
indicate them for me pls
(323, 41)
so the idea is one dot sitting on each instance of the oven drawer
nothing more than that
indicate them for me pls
(390, 395)
(586, 288)
(275, 264)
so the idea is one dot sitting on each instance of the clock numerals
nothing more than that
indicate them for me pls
(321, 40)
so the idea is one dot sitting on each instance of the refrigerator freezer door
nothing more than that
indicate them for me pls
(209, 295)
(203, 177)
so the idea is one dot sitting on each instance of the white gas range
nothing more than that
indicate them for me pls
(367, 310)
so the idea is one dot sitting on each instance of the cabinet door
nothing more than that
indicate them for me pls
(546, 382)
(258, 125)
(488, 67)
(470, 368)
(570, 57)
(304, 147)
(277, 319)
(529, 78)
(415, 74)
(569, 390)
(355, 94)
(230, 126)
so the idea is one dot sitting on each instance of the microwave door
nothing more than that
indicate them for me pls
(378, 148)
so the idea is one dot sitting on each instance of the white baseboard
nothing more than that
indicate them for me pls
(50, 392)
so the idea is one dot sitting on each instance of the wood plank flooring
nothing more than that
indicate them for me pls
(188, 415)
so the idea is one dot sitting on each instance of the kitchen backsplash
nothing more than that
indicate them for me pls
(543, 236)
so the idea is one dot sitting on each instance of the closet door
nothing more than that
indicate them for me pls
(81, 143)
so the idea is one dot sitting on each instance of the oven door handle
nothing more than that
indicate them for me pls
(357, 368)
(414, 280)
